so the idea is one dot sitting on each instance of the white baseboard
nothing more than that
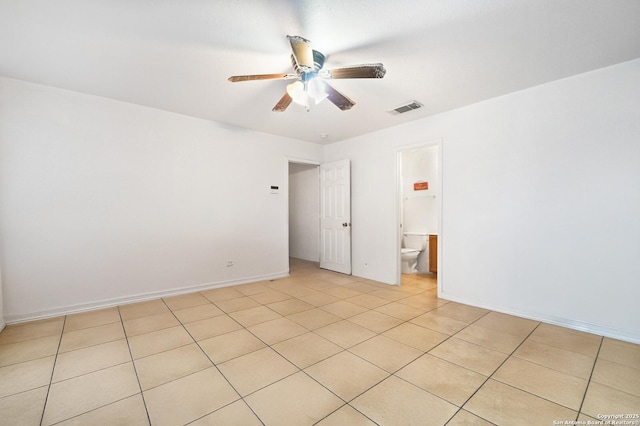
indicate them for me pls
(587, 327)
(308, 259)
(85, 307)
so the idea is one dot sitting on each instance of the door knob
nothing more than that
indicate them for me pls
(345, 224)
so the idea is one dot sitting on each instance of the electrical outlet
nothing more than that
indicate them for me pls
(229, 263)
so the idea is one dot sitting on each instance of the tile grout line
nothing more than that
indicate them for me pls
(270, 346)
(497, 368)
(440, 343)
(489, 376)
(346, 403)
(55, 360)
(299, 370)
(348, 349)
(595, 361)
(121, 321)
(241, 398)
(135, 370)
(578, 412)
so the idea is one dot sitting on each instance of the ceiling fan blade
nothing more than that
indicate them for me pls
(302, 53)
(236, 78)
(283, 103)
(338, 99)
(356, 71)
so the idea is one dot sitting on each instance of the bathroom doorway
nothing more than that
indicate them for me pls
(419, 210)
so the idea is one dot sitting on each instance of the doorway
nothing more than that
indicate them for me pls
(319, 210)
(304, 211)
(419, 201)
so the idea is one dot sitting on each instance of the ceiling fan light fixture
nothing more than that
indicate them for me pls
(298, 93)
(302, 93)
(317, 91)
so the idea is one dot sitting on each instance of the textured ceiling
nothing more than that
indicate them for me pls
(176, 55)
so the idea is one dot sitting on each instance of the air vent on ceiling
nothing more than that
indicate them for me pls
(405, 108)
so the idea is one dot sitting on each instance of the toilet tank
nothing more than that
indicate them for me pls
(415, 240)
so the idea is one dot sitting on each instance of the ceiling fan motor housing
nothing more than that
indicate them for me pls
(318, 62)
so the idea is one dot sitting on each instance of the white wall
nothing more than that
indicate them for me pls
(304, 212)
(104, 201)
(420, 212)
(374, 236)
(541, 201)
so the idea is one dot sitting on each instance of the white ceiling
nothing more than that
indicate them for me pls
(176, 55)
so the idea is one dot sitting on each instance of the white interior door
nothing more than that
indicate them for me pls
(335, 216)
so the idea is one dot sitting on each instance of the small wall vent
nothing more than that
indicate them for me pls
(405, 108)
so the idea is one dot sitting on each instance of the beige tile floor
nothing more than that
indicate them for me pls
(315, 348)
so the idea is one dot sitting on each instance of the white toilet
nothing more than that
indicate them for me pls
(412, 245)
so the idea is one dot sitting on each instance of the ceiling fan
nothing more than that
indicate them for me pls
(309, 75)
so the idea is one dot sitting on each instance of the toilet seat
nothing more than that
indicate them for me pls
(408, 251)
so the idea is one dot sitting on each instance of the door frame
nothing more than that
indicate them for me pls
(288, 161)
(399, 150)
